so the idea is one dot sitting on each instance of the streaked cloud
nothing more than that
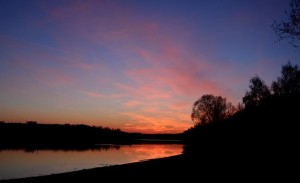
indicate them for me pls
(135, 65)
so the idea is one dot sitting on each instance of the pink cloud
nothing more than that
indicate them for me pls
(172, 70)
(145, 92)
(158, 70)
(173, 67)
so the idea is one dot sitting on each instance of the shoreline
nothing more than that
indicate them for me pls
(157, 167)
(208, 166)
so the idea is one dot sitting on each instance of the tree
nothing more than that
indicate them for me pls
(289, 82)
(240, 107)
(258, 92)
(211, 109)
(291, 28)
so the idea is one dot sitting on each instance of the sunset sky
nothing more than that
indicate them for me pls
(137, 65)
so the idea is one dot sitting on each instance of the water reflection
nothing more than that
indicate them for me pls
(24, 163)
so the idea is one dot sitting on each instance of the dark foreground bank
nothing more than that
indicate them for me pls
(213, 166)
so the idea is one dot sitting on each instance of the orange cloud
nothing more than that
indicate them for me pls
(180, 105)
(132, 103)
(156, 123)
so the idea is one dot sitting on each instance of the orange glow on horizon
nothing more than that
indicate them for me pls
(124, 66)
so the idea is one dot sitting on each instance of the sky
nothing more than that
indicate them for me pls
(136, 65)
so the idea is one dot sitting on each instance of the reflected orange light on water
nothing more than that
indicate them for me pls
(151, 151)
(20, 163)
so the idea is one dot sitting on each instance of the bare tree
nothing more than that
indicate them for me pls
(290, 29)
(211, 109)
(289, 82)
(258, 92)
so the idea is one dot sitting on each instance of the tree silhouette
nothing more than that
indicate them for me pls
(258, 92)
(289, 82)
(211, 109)
(291, 28)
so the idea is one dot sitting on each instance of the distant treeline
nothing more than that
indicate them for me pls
(56, 135)
(33, 135)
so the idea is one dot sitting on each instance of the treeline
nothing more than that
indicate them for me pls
(267, 122)
(32, 135)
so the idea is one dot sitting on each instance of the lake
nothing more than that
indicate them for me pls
(24, 163)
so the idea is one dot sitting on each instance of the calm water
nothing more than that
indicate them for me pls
(20, 163)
